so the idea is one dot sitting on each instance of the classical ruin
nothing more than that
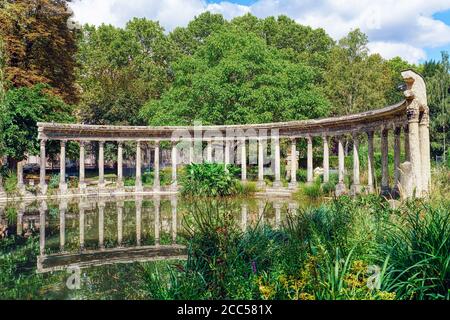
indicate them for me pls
(411, 178)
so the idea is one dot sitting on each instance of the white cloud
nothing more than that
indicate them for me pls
(396, 27)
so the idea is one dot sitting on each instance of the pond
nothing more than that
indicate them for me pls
(101, 237)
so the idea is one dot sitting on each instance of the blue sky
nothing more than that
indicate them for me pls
(415, 30)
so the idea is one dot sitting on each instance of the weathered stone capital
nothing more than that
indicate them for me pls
(370, 134)
(397, 131)
(63, 143)
(413, 115)
(43, 142)
(101, 143)
(120, 143)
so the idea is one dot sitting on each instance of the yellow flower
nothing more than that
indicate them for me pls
(383, 295)
(306, 296)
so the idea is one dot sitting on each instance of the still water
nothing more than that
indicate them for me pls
(95, 233)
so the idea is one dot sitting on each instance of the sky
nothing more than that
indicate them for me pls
(415, 30)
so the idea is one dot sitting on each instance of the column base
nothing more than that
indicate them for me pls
(174, 187)
(138, 189)
(261, 185)
(43, 189)
(396, 192)
(355, 189)
(341, 189)
(386, 191)
(62, 188)
(277, 185)
(293, 185)
(156, 188)
(370, 189)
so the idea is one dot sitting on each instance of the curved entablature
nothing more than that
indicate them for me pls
(391, 116)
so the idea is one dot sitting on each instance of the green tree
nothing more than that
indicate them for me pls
(121, 69)
(438, 82)
(235, 77)
(22, 108)
(357, 81)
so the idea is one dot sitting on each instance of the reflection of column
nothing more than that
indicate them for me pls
(62, 225)
(20, 214)
(261, 208)
(101, 165)
(120, 183)
(20, 184)
(62, 168)
(42, 211)
(277, 183)
(138, 167)
(356, 187)
(43, 164)
(261, 182)
(191, 151)
(310, 160)
(157, 203)
(101, 224)
(174, 166)
(82, 182)
(340, 188)
(397, 152)
(244, 217)
(243, 160)
(293, 184)
(120, 206)
(173, 203)
(81, 224)
(277, 207)
(209, 151)
(370, 162)
(326, 160)
(157, 182)
(385, 190)
(138, 221)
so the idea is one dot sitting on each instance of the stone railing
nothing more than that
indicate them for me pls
(410, 116)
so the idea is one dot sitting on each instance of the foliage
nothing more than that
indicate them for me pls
(10, 182)
(54, 182)
(236, 77)
(23, 108)
(210, 180)
(39, 45)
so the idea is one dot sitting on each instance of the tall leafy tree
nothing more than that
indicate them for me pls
(40, 45)
(235, 77)
(356, 80)
(121, 69)
(438, 81)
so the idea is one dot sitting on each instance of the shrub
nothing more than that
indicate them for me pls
(10, 182)
(210, 180)
(54, 181)
(302, 175)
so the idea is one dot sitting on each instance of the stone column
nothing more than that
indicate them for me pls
(261, 182)
(209, 157)
(370, 163)
(138, 186)
(277, 183)
(326, 160)
(120, 183)
(101, 225)
(385, 189)
(157, 203)
(243, 160)
(425, 161)
(42, 212)
(2, 189)
(174, 185)
(20, 214)
(62, 168)
(138, 221)
(101, 165)
(82, 183)
(20, 183)
(43, 164)
(120, 206)
(397, 161)
(414, 151)
(341, 188)
(62, 225)
(310, 160)
(81, 224)
(173, 204)
(356, 187)
(227, 153)
(157, 183)
(406, 133)
(293, 184)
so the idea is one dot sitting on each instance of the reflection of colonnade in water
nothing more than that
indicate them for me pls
(109, 249)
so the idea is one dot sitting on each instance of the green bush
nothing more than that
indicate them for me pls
(302, 175)
(54, 182)
(210, 180)
(10, 182)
